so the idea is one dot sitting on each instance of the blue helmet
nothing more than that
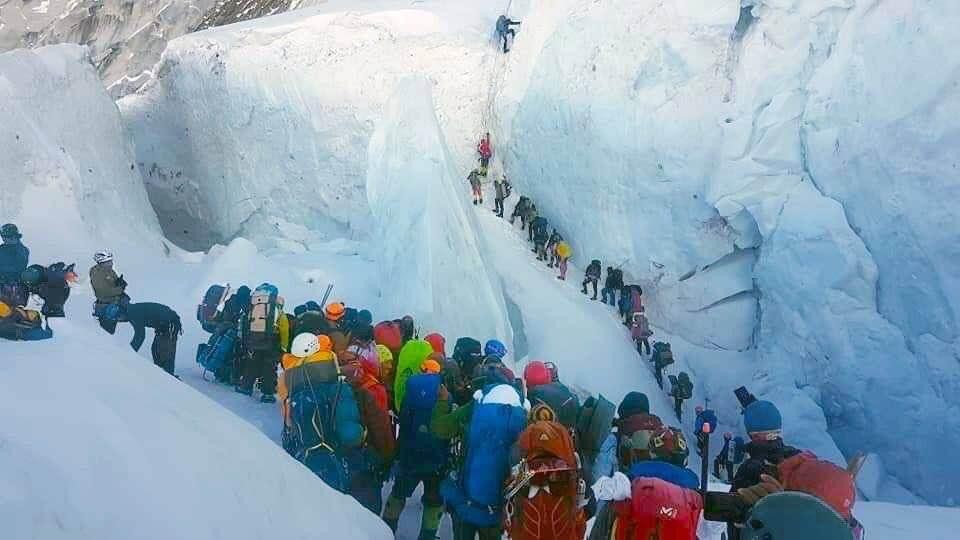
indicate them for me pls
(495, 348)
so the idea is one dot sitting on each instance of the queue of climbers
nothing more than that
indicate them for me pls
(364, 403)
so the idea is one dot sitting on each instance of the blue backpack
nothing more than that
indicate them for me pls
(476, 496)
(217, 353)
(327, 425)
(421, 452)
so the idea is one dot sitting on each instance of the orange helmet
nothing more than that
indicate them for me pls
(335, 311)
(430, 366)
(325, 343)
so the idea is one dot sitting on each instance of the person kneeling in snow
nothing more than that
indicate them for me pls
(167, 329)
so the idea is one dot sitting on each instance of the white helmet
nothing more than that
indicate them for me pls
(102, 257)
(304, 345)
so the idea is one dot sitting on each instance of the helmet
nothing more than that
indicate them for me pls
(101, 257)
(324, 343)
(10, 231)
(305, 344)
(495, 348)
(430, 366)
(335, 311)
(536, 374)
(33, 275)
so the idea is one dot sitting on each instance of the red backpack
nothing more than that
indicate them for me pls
(544, 491)
(657, 510)
(389, 335)
(831, 484)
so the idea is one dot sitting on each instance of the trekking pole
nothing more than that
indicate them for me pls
(704, 469)
(326, 295)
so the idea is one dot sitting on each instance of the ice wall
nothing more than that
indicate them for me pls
(69, 179)
(780, 176)
(257, 126)
(425, 237)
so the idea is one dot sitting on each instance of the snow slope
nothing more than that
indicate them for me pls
(69, 179)
(733, 158)
(425, 237)
(100, 444)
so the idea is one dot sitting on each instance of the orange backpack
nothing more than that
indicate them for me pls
(544, 492)
(831, 484)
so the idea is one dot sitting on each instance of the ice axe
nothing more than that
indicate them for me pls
(326, 296)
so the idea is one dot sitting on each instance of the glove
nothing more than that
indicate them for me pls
(121, 282)
(767, 485)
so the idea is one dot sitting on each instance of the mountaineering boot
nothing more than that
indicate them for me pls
(392, 511)
(430, 522)
(594, 297)
(268, 398)
(584, 289)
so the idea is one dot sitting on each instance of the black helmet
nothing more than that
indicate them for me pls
(33, 275)
(10, 231)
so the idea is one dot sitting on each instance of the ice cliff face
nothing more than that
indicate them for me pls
(250, 131)
(782, 177)
(69, 178)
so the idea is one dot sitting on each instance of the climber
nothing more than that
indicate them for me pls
(265, 334)
(681, 389)
(550, 400)
(109, 288)
(528, 217)
(14, 258)
(487, 427)
(731, 454)
(501, 189)
(563, 252)
(421, 456)
(612, 284)
(322, 424)
(540, 237)
(661, 357)
(552, 249)
(475, 186)
(337, 326)
(519, 210)
(592, 276)
(166, 331)
(486, 152)
(640, 331)
(506, 33)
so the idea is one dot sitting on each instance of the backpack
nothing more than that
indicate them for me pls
(545, 490)
(388, 334)
(326, 421)
(640, 329)
(617, 276)
(554, 402)
(594, 269)
(211, 305)
(681, 387)
(476, 494)
(411, 357)
(658, 510)
(375, 418)
(593, 425)
(421, 452)
(216, 355)
(792, 515)
(662, 355)
(634, 434)
(831, 484)
(266, 308)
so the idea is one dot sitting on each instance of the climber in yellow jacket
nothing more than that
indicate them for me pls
(563, 253)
